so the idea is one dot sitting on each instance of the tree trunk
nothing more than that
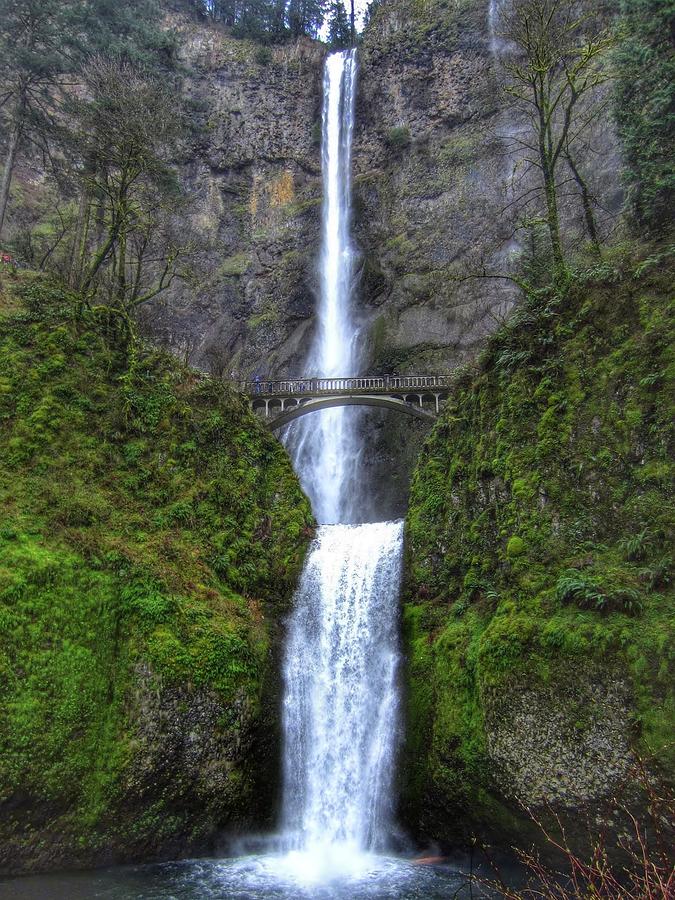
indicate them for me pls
(100, 257)
(10, 159)
(122, 259)
(352, 19)
(587, 203)
(79, 239)
(553, 220)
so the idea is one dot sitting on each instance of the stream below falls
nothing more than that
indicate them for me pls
(269, 877)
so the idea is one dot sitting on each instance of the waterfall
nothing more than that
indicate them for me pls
(340, 702)
(494, 14)
(340, 709)
(325, 447)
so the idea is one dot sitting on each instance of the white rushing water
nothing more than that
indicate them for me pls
(340, 700)
(324, 446)
(494, 16)
(340, 715)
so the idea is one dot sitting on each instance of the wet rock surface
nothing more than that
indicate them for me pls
(566, 744)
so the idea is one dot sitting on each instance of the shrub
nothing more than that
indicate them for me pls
(398, 138)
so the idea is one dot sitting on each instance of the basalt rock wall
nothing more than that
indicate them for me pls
(435, 179)
(428, 171)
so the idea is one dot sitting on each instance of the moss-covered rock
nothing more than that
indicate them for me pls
(151, 532)
(538, 614)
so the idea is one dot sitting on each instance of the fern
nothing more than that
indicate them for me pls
(572, 587)
(635, 546)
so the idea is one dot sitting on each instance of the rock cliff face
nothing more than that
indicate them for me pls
(538, 616)
(434, 172)
(434, 180)
(253, 178)
(429, 172)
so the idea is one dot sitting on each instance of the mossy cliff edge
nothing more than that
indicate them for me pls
(538, 616)
(150, 536)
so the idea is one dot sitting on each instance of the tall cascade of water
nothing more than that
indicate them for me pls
(494, 15)
(340, 704)
(325, 446)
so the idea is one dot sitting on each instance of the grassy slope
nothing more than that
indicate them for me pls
(147, 523)
(540, 533)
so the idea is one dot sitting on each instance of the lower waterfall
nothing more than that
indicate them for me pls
(340, 712)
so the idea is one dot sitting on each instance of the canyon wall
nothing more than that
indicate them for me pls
(429, 182)
(435, 180)
(538, 608)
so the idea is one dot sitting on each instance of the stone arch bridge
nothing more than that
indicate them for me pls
(280, 402)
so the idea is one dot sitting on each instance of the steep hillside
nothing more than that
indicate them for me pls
(538, 613)
(150, 536)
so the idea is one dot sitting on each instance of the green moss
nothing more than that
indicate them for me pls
(515, 547)
(539, 533)
(149, 522)
(398, 138)
(234, 266)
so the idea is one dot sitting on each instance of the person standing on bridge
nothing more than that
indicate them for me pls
(257, 384)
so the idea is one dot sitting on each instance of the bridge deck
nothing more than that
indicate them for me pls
(370, 384)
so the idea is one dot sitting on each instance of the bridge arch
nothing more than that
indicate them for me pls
(313, 405)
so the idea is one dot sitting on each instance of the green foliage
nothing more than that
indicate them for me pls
(540, 529)
(398, 138)
(43, 41)
(645, 107)
(266, 19)
(515, 547)
(339, 27)
(587, 593)
(148, 524)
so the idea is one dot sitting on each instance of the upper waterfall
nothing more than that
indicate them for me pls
(325, 448)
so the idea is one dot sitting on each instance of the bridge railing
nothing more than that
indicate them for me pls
(314, 386)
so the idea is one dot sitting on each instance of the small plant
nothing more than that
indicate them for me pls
(509, 359)
(657, 575)
(263, 56)
(398, 138)
(644, 846)
(572, 587)
(635, 546)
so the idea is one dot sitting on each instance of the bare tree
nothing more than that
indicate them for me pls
(555, 64)
(128, 245)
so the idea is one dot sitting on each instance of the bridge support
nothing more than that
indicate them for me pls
(313, 405)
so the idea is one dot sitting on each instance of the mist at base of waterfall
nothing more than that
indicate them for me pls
(291, 876)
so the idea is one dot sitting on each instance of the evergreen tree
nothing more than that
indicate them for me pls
(36, 39)
(339, 26)
(645, 107)
(305, 16)
(265, 19)
(43, 45)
